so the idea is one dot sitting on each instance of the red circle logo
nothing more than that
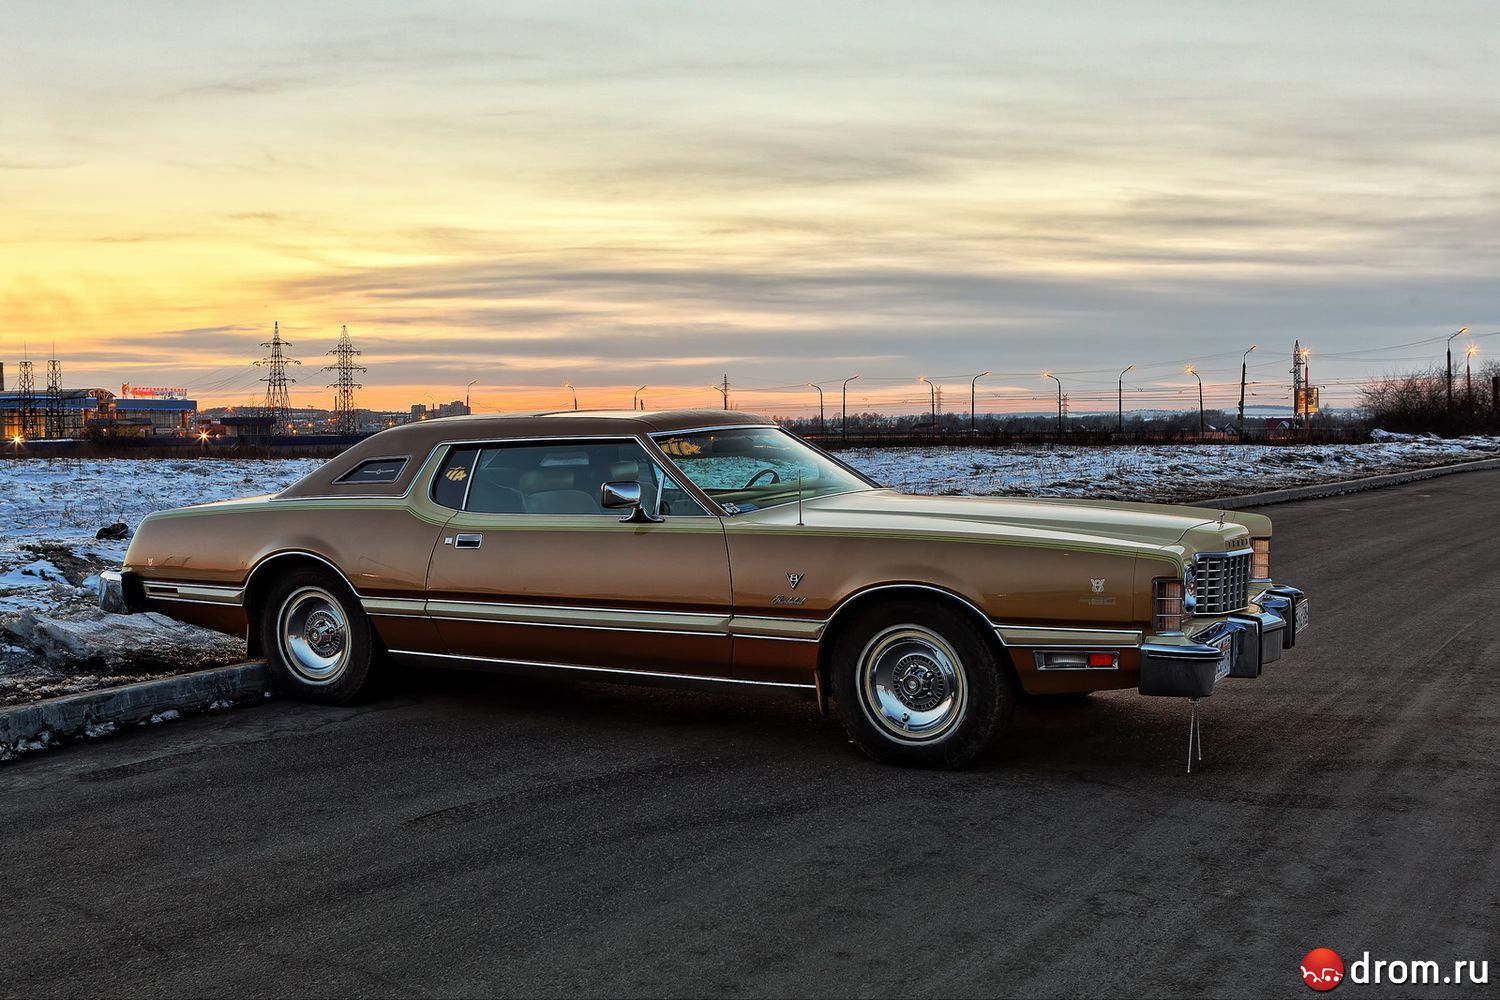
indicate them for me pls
(1322, 969)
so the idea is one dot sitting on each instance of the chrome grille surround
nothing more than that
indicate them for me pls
(1222, 581)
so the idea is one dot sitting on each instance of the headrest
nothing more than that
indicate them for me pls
(543, 480)
(621, 472)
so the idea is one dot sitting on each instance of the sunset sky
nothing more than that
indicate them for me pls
(617, 194)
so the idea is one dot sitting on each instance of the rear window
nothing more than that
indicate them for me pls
(374, 471)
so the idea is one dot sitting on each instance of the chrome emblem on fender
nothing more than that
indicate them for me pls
(794, 579)
(1097, 585)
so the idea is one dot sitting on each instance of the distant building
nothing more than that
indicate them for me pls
(97, 411)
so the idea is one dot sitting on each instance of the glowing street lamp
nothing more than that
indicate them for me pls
(1054, 378)
(723, 392)
(844, 408)
(569, 386)
(1194, 372)
(1450, 366)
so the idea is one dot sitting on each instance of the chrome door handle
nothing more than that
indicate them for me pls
(468, 540)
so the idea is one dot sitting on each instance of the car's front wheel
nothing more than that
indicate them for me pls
(317, 640)
(919, 684)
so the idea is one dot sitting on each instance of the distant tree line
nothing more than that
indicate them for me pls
(1419, 402)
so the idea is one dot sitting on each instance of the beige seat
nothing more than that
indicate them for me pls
(552, 491)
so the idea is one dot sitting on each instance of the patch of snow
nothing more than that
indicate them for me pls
(100, 729)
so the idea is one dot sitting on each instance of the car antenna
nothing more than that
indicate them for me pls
(799, 499)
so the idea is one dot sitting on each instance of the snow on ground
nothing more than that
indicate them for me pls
(1176, 473)
(51, 510)
(50, 513)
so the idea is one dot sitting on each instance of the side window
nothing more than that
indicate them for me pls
(675, 500)
(559, 477)
(452, 481)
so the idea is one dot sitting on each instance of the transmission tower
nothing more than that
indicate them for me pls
(344, 384)
(54, 399)
(26, 390)
(278, 404)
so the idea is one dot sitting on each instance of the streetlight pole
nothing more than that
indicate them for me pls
(723, 392)
(821, 427)
(1120, 420)
(569, 387)
(1469, 376)
(466, 395)
(844, 408)
(635, 403)
(1194, 372)
(1244, 370)
(1450, 367)
(931, 391)
(1059, 400)
(972, 383)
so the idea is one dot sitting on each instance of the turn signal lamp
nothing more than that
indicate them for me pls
(1168, 605)
(1260, 558)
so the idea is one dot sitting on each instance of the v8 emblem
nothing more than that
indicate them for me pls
(794, 579)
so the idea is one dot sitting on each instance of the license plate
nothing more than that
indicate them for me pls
(1226, 656)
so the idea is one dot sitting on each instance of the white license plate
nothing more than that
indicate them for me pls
(1226, 653)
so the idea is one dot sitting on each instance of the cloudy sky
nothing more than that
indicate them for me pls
(616, 194)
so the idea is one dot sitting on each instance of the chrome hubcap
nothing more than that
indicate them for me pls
(314, 635)
(913, 683)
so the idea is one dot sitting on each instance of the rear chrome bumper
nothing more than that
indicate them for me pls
(120, 592)
(1240, 645)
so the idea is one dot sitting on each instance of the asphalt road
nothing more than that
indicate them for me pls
(482, 836)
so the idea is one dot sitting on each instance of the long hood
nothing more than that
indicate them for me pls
(1106, 523)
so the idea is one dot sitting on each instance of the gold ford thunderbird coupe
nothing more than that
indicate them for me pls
(711, 548)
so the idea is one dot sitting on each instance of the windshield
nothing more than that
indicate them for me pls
(747, 468)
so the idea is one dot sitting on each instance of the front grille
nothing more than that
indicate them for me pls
(1222, 583)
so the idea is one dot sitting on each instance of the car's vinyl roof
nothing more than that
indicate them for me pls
(418, 438)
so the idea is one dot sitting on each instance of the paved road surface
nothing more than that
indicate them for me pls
(484, 836)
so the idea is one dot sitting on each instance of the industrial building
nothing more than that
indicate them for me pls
(76, 413)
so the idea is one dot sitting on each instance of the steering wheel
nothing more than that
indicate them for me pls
(775, 478)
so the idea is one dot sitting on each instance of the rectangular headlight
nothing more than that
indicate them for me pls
(1167, 604)
(1260, 558)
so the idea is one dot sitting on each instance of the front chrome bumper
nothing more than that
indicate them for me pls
(1240, 645)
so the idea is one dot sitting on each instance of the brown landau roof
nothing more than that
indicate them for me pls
(414, 441)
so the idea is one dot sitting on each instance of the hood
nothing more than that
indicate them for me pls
(1098, 521)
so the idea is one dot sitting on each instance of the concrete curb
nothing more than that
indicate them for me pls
(1348, 485)
(34, 726)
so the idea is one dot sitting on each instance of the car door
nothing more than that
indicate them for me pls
(532, 569)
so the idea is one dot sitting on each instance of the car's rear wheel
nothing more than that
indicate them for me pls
(919, 684)
(317, 640)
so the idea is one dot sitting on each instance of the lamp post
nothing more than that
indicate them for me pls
(1469, 376)
(814, 385)
(972, 383)
(1450, 367)
(931, 391)
(1244, 369)
(1194, 372)
(844, 408)
(569, 386)
(1307, 392)
(635, 403)
(1120, 420)
(723, 392)
(466, 395)
(1059, 400)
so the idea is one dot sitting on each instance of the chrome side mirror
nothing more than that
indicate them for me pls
(622, 495)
